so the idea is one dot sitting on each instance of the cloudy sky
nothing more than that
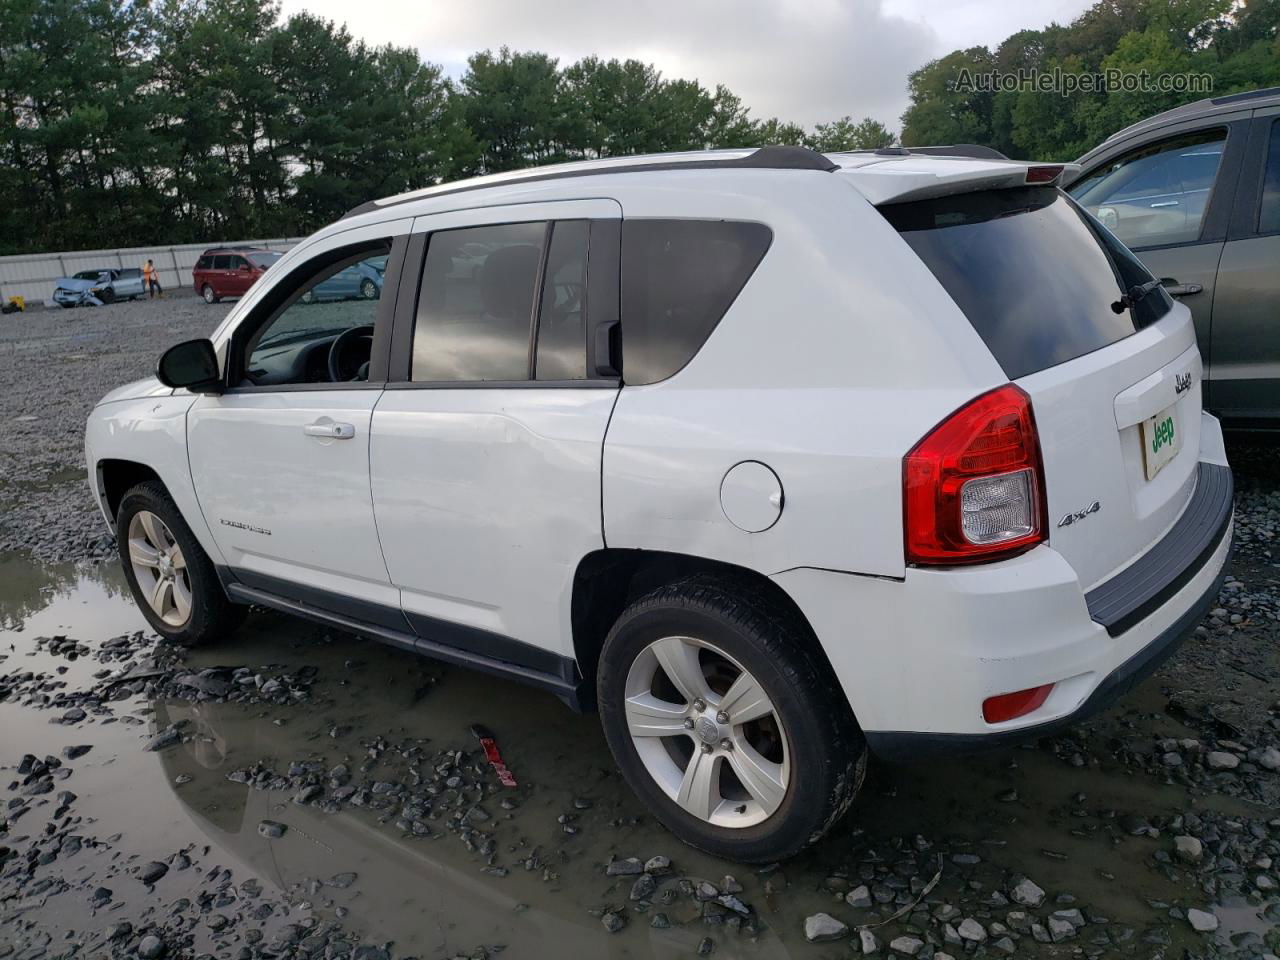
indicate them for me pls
(802, 60)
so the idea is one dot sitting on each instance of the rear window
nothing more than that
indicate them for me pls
(204, 263)
(266, 258)
(1035, 275)
(678, 279)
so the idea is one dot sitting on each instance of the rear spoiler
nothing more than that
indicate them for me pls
(902, 178)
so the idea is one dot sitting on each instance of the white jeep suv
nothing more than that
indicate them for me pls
(774, 458)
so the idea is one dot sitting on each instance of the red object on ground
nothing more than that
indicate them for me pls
(491, 754)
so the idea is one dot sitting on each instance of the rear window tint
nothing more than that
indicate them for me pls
(678, 279)
(1030, 270)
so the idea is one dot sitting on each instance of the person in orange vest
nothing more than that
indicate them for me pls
(151, 279)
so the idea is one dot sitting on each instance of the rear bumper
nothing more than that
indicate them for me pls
(918, 657)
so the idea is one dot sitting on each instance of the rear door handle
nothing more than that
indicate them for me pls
(330, 430)
(1176, 289)
(1165, 203)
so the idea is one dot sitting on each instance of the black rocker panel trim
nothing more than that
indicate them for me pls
(453, 643)
(1141, 588)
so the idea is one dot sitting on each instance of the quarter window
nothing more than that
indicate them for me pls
(475, 306)
(678, 279)
(1269, 216)
(1157, 194)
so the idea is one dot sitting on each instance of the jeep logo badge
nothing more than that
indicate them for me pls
(1182, 382)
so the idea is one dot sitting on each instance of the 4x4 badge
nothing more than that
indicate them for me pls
(1071, 518)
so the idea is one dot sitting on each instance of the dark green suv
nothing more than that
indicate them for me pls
(1195, 192)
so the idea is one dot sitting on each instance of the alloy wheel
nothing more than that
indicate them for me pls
(159, 568)
(707, 732)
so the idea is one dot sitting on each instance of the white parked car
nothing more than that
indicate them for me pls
(776, 459)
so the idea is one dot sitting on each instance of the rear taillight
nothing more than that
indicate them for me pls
(973, 488)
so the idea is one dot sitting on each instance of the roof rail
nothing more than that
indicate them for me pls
(971, 151)
(764, 158)
(1247, 95)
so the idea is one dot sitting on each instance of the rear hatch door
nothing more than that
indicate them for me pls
(1111, 365)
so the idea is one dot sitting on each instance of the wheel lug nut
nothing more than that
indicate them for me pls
(726, 744)
(688, 723)
(706, 748)
(699, 704)
(722, 717)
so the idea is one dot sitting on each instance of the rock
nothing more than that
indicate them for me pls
(152, 872)
(151, 947)
(76, 752)
(1004, 945)
(1026, 893)
(118, 930)
(1268, 759)
(660, 921)
(869, 942)
(630, 867)
(1218, 760)
(342, 880)
(822, 927)
(908, 946)
(272, 830)
(1188, 849)
(858, 897)
(307, 794)
(706, 946)
(971, 930)
(706, 890)
(658, 866)
(163, 739)
(613, 922)
(1060, 930)
(1264, 883)
(1202, 921)
(644, 887)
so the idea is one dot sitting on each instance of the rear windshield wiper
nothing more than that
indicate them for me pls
(1131, 297)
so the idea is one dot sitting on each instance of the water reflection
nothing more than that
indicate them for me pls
(28, 588)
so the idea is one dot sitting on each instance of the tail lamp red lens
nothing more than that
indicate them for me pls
(973, 488)
(1045, 174)
(1010, 706)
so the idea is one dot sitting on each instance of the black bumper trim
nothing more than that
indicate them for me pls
(908, 746)
(1141, 588)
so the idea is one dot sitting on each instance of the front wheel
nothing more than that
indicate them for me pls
(726, 723)
(172, 579)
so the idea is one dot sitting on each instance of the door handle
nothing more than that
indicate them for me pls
(1165, 203)
(1176, 289)
(330, 430)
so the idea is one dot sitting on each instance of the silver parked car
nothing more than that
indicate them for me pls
(96, 287)
(1195, 192)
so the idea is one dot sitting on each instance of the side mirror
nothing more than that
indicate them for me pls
(191, 364)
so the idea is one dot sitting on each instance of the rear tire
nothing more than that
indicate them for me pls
(800, 753)
(209, 296)
(172, 579)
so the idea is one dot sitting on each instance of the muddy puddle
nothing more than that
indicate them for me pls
(1094, 832)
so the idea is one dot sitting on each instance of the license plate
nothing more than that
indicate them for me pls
(1161, 440)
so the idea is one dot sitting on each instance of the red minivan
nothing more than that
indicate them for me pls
(230, 271)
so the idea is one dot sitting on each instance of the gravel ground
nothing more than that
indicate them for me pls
(296, 793)
(54, 366)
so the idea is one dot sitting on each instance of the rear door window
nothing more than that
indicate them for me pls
(1039, 280)
(1157, 194)
(562, 315)
(1269, 215)
(475, 307)
(222, 263)
(679, 277)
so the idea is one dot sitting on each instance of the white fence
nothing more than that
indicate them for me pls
(31, 275)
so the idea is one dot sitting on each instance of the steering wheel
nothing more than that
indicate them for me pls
(340, 366)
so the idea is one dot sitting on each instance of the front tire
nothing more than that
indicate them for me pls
(726, 723)
(172, 579)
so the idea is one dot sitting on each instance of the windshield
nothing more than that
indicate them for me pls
(1039, 279)
(90, 274)
(264, 258)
